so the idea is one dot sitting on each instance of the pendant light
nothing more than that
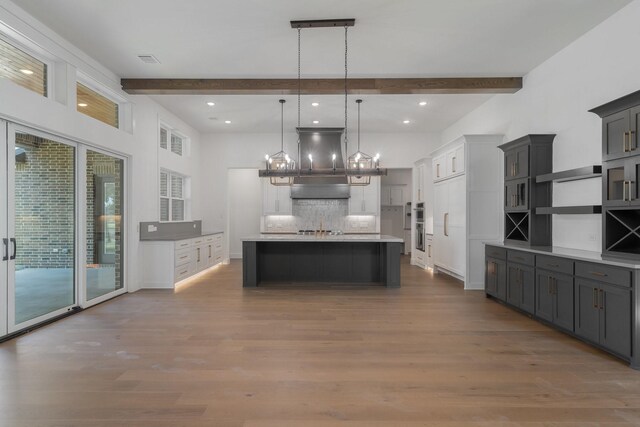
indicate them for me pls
(280, 161)
(360, 164)
(282, 170)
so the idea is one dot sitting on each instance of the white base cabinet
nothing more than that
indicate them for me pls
(467, 205)
(429, 253)
(165, 263)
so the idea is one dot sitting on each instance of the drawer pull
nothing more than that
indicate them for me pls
(554, 265)
(183, 257)
(599, 274)
(183, 272)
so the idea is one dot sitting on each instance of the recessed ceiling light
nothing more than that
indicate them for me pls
(211, 104)
(82, 104)
(422, 103)
(406, 122)
(228, 122)
(27, 72)
(315, 122)
(315, 104)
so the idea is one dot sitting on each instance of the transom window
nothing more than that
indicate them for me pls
(96, 105)
(23, 69)
(172, 196)
(170, 139)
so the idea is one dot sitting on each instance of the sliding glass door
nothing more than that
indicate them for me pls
(41, 224)
(62, 222)
(105, 246)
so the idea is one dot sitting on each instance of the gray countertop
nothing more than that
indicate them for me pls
(575, 254)
(178, 238)
(340, 238)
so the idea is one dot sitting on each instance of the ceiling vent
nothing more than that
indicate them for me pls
(149, 59)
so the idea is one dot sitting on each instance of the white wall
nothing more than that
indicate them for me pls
(595, 69)
(58, 115)
(222, 151)
(246, 206)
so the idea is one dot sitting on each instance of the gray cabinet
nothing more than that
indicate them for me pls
(593, 301)
(554, 298)
(516, 163)
(521, 287)
(496, 278)
(526, 158)
(603, 315)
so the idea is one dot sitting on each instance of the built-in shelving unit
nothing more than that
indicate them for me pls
(586, 172)
(525, 159)
(572, 174)
(620, 176)
(569, 210)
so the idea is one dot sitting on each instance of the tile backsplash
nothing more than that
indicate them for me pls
(309, 213)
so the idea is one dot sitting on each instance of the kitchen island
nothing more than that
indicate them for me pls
(344, 259)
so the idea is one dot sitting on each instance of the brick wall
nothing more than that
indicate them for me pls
(44, 204)
(100, 165)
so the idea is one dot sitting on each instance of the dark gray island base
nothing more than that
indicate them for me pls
(331, 259)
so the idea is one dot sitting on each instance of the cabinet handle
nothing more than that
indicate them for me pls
(601, 299)
(15, 248)
(553, 265)
(184, 256)
(453, 164)
(198, 254)
(437, 171)
(594, 298)
(597, 273)
(446, 224)
(429, 251)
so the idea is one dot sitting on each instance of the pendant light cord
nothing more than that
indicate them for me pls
(299, 89)
(346, 51)
(282, 101)
(359, 124)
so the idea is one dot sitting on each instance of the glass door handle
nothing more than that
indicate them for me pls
(15, 248)
(5, 255)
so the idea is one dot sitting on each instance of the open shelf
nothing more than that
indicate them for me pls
(622, 231)
(516, 226)
(571, 174)
(569, 210)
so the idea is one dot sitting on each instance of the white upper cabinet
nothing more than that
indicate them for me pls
(449, 164)
(276, 199)
(455, 161)
(392, 195)
(439, 167)
(365, 199)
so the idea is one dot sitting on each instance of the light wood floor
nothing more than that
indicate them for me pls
(213, 354)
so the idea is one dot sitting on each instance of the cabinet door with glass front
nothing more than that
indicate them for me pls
(620, 182)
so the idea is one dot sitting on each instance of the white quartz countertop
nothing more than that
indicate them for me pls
(575, 254)
(328, 238)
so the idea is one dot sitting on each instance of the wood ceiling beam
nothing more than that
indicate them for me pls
(382, 86)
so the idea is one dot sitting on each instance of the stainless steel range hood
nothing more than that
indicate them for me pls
(322, 144)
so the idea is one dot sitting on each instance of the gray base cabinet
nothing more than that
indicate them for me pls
(603, 315)
(592, 301)
(520, 287)
(496, 278)
(554, 298)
